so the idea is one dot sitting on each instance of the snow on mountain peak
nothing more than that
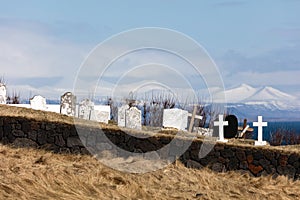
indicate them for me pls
(269, 93)
(266, 96)
(240, 93)
(247, 87)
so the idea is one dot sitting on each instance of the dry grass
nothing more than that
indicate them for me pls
(12, 111)
(37, 174)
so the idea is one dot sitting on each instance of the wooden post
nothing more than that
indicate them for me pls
(244, 126)
(245, 123)
(193, 119)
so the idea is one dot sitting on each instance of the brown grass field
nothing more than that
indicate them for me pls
(38, 174)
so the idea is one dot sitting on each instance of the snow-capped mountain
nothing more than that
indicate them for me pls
(268, 97)
(248, 102)
(246, 93)
(239, 94)
(270, 94)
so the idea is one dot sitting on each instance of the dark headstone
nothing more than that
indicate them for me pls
(231, 130)
(215, 128)
(68, 104)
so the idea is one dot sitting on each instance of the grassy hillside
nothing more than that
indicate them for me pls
(37, 174)
(12, 111)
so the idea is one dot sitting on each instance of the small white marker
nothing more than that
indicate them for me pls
(244, 131)
(260, 124)
(221, 125)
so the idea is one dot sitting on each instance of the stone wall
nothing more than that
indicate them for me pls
(63, 137)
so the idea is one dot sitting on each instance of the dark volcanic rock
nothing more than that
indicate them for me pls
(24, 142)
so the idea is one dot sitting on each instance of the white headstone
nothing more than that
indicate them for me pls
(38, 103)
(101, 113)
(121, 115)
(260, 124)
(2, 94)
(175, 118)
(85, 109)
(68, 104)
(133, 118)
(221, 125)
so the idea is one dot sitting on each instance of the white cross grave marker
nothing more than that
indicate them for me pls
(221, 125)
(260, 124)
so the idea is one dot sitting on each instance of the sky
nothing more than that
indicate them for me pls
(44, 43)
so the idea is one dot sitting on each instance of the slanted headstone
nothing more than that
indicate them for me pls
(121, 115)
(38, 103)
(101, 113)
(260, 124)
(68, 104)
(175, 118)
(85, 109)
(133, 118)
(231, 130)
(2, 93)
(221, 125)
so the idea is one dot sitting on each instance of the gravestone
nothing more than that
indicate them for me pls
(68, 104)
(2, 93)
(85, 109)
(175, 118)
(38, 103)
(215, 132)
(231, 130)
(156, 115)
(101, 113)
(220, 123)
(133, 118)
(260, 124)
(121, 115)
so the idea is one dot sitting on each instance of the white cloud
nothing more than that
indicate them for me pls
(278, 68)
(256, 78)
(29, 51)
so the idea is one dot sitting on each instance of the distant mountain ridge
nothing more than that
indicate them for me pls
(245, 93)
(246, 101)
(263, 96)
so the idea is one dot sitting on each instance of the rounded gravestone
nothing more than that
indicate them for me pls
(231, 130)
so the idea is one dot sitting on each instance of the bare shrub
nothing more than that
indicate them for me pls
(131, 100)
(291, 137)
(276, 138)
(284, 136)
(2, 80)
(156, 108)
(152, 107)
(14, 98)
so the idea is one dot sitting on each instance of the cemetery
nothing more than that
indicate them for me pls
(130, 116)
(27, 126)
(58, 134)
(77, 127)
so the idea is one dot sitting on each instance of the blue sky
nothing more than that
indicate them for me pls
(43, 43)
